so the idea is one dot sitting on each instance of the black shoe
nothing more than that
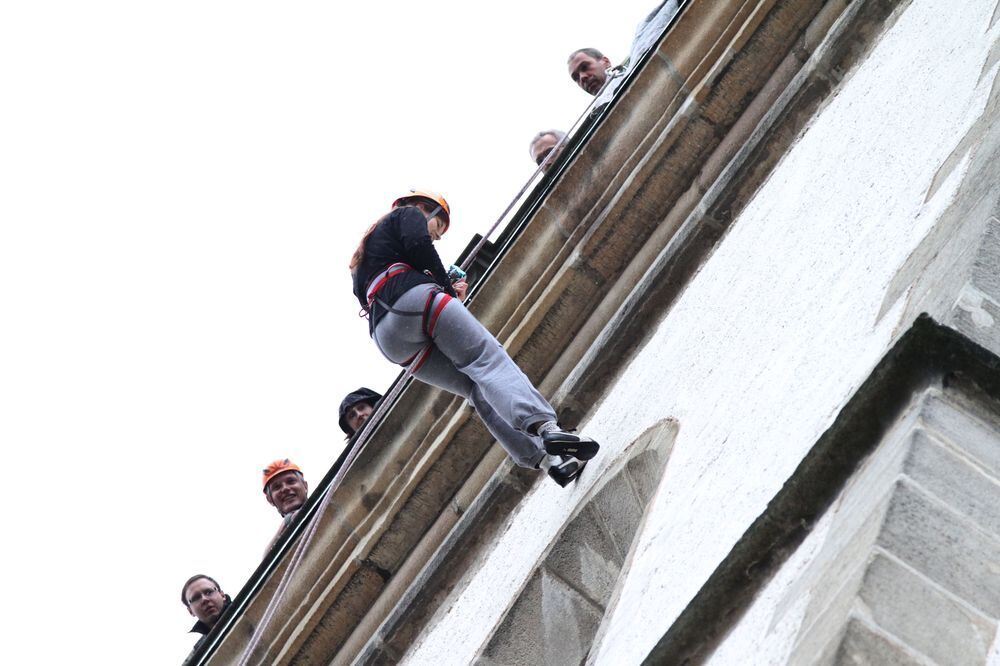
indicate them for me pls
(567, 471)
(562, 443)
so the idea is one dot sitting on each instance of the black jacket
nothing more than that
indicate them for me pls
(202, 628)
(361, 395)
(401, 236)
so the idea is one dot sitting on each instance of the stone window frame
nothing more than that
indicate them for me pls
(561, 612)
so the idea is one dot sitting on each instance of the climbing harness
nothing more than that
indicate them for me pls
(379, 281)
(434, 305)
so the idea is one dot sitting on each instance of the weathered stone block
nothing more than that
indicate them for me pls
(976, 316)
(833, 581)
(907, 606)
(518, 639)
(586, 555)
(984, 268)
(838, 597)
(645, 470)
(619, 511)
(862, 645)
(569, 620)
(964, 488)
(943, 546)
(337, 622)
(979, 438)
(551, 623)
(433, 492)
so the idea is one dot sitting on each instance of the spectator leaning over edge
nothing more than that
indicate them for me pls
(355, 409)
(286, 490)
(206, 601)
(416, 316)
(588, 66)
(543, 144)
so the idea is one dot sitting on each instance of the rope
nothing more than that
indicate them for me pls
(306, 538)
(362, 438)
(610, 74)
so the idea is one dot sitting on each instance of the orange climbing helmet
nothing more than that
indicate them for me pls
(425, 194)
(276, 468)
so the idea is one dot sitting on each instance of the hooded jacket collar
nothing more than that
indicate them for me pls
(202, 628)
(361, 395)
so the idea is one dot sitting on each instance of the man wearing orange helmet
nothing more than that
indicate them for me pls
(416, 319)
(285, 489)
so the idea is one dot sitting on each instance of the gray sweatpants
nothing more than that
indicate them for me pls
(468, 361)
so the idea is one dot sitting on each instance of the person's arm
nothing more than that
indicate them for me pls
(286, 520)
(419, 247)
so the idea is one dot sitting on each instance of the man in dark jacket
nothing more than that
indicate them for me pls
(206, 601)
(355, 409)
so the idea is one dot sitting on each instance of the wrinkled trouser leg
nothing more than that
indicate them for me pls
(468, 361)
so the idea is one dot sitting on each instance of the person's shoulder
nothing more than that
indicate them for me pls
(386, 223)
(403, 215)
(410, 221)
(190, 658)
(409, 214)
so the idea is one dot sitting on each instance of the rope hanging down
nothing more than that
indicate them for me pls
(610, 74)
(362, 438)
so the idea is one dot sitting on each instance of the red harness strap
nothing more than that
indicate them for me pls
(432, 312)
(380, 280)
(433, 307)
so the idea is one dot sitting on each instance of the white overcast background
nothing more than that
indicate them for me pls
(181, 186)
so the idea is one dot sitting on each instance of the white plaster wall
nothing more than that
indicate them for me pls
(770, 339)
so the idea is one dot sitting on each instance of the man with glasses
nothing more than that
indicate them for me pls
(206, 601)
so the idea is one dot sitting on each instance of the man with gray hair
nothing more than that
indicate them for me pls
(544, 143)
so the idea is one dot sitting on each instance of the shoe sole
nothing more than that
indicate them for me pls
(573, 479)
(584, 450)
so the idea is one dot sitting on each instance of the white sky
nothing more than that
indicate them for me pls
(181, 186)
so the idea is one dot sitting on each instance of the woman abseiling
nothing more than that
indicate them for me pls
(416, 316)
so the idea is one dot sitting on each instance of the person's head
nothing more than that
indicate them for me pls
(431, 204)
(543, 144)
(203, 598)
(355, 409)
(284, 486)
(587, 68)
